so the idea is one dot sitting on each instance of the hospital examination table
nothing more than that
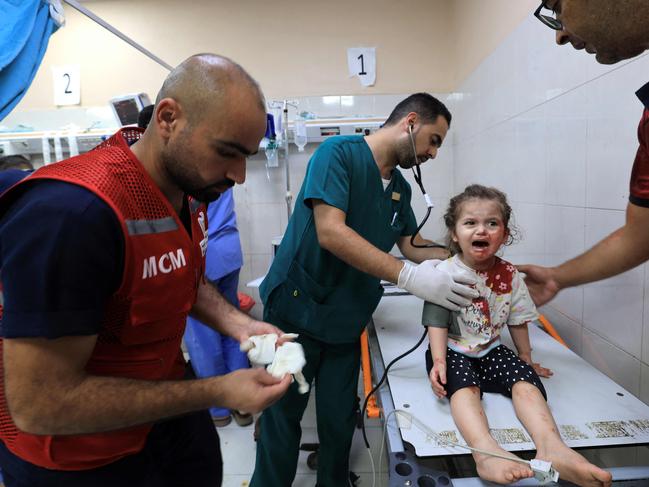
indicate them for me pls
(590, 409)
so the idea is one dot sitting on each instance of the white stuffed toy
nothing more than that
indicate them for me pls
(288, 358)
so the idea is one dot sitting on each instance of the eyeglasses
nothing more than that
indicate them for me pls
(550, 20)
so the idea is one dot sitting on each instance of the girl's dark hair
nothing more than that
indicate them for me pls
(477, 191)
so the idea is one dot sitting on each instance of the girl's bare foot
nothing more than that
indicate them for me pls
(500, 470)
(575, 468)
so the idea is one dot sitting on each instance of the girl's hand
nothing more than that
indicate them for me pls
(538, 368)
(541, 371)
(438, 377)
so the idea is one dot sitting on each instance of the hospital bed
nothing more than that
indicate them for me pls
(590, 409)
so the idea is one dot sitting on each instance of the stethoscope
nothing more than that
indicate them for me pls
(416, 172)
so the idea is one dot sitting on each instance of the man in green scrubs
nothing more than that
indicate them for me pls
(353, 207)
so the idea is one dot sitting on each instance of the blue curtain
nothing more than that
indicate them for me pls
(25, 30)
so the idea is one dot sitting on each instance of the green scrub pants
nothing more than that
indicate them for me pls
(335, 369)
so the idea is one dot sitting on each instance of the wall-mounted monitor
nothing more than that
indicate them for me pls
(127, 107)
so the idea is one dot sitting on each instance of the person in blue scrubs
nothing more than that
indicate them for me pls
(13, 169)
(324, 283)
(211, 353)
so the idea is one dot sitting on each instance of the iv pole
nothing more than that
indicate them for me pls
(289, 195)
(283, 138)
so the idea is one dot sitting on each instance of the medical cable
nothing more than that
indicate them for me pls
(416, 172)
(367, 398)
(380, 383)
(369, 452)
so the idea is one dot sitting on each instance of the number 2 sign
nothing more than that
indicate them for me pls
(67, 84)
(361, 62)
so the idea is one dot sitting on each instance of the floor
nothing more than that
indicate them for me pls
(238, 449)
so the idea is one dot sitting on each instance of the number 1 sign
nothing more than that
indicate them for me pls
(361, 62)
(67, 84)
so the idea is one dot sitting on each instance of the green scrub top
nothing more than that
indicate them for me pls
(310, 290)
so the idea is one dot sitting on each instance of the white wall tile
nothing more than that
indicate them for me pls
(467, 117)
(265, 223)
(566, 156)
(242, 211)
(325, 106)
(570, 302)
(612, 361)
(530, 219)
(493, 160)
(436, 174)
(564, 239)
(615, 313)
(565, 232)
(465, 164)
(599, 224)
(384, 104)
(618, 85)
(357, 105)
(498, 104)
(568, 329)
(264, 185)
(528, 168)
(614, 307)
(644, 383)
(531, 62)
(608, 167)
(611, 141)
(245, 275)
(569, 105)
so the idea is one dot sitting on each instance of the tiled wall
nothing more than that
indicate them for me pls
(557, 132)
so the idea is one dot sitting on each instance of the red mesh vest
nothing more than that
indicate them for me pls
(145, 319)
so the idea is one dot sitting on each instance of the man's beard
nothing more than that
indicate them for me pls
(405, 156)
(190, 183)
(210, 193)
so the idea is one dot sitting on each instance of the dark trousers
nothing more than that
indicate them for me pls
(182, 451)
(335, 370)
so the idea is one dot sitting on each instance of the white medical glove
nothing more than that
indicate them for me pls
(260, 348)
(289, 359)
(427, 282)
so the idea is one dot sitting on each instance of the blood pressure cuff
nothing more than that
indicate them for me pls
(439, 317)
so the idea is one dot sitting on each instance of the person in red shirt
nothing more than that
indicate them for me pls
(102, 259)
(612, 31)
